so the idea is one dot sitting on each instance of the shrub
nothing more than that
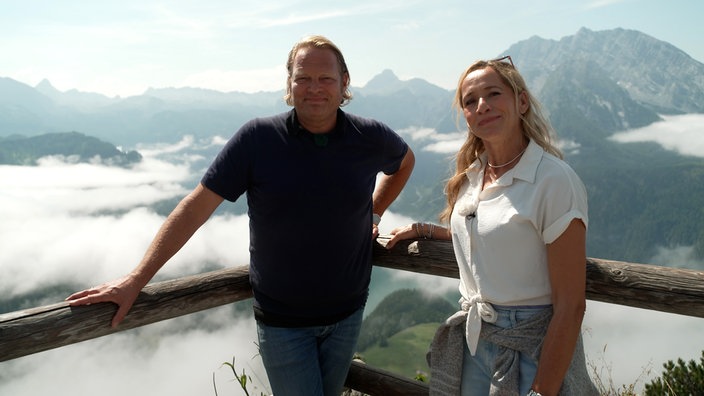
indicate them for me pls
(679, 379)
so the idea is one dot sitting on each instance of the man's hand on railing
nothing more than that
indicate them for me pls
(123, 292)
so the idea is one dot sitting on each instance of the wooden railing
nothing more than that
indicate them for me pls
(35, 330)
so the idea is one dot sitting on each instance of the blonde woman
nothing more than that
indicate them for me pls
(517, 216)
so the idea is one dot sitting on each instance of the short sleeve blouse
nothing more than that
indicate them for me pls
(500, 233)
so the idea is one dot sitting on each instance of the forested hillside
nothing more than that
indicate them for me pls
(395, 336)
(71, 146)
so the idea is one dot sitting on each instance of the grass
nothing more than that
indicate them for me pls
(404, 354)
(405, 351)
(601, 375)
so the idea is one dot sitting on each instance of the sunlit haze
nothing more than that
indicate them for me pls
(124, 47)
(79, 225)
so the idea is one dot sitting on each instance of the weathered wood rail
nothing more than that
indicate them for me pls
(666, 289)
(38, 329)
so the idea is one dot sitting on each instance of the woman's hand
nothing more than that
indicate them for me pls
(400, 234)
(416, 231)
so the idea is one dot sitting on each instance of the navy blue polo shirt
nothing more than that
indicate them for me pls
(310, 211)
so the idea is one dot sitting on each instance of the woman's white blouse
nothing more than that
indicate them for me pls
(499, 234)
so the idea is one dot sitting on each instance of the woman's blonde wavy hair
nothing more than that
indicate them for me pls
(534, 124)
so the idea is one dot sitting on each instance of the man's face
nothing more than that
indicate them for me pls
(316, 87)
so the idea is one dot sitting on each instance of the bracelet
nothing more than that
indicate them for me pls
(533, 393)
(421, 232)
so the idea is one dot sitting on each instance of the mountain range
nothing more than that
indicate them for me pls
(592, 84)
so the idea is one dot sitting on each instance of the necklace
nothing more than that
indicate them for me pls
(508, 163)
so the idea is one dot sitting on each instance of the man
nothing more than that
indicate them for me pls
(309, 175)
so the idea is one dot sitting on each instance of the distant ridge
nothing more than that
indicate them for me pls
(652, 71)
(653, 74)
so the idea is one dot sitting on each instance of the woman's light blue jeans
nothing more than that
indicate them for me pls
(477, 370)
(310, 361)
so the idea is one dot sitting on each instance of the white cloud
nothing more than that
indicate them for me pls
(682, 133)
(55, 187)
(391, 220)
(433, 141)
(86, 224)
(223, 241)
(51, 234)
(677, 256)
(445, 147)
(249, 81)
(568, 146)
(419, 133)
(630, 345)
(177, 357)
(85, 250)
(593, 4)
(55, 249)
(58, 227)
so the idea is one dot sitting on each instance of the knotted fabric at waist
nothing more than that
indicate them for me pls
(472, 313)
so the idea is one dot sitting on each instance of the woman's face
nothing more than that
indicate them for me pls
(489, 106)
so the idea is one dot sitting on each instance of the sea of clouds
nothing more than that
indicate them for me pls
(83, 224)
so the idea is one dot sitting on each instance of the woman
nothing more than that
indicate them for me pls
(518, 220)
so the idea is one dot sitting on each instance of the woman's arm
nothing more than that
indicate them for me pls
(418, 231)
(567, 271)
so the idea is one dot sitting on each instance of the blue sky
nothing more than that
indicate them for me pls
(123, 47)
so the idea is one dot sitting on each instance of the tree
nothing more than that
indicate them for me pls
(679, 379)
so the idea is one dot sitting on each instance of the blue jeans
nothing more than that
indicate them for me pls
(477, 370)
(310, 361)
